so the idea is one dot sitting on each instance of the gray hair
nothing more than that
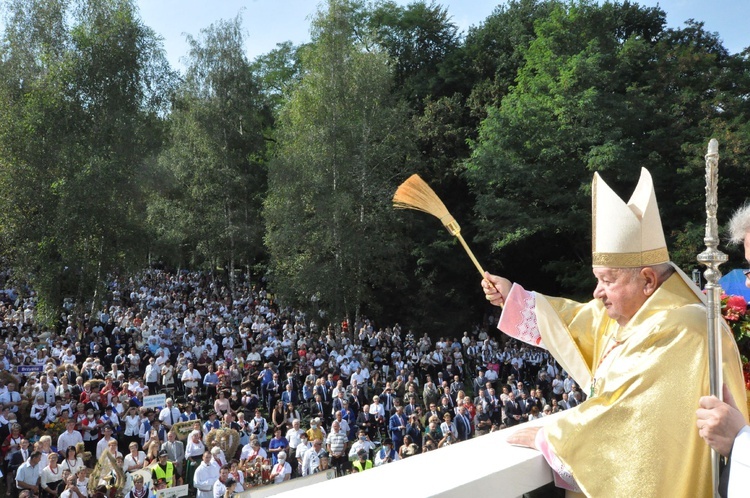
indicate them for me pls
(739, 225)
(663, 271)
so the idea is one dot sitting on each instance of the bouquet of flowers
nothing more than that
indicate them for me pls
(734, 311)
(55, 428)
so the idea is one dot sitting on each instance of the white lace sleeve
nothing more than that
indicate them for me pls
(518, 319)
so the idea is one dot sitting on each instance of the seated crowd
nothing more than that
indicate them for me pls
(302, 399)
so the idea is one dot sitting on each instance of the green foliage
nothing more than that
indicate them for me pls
(343, 143)
(81, 114)
(418, 38)
(213, 167)
(278, 71)
(604, 88)
(494, 51)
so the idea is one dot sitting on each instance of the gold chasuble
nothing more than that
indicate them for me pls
(636, 436)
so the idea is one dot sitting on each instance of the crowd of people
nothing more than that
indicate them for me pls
(302, 398)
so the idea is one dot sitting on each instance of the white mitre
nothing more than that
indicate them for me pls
(626, 235)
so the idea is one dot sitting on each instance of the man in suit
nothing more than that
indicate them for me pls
(432, 411)
(317, 408)
(526, 404)
(574, 399)
(456, 385)
(463, 424)
(493, 407)
(329, 385)
(397, 427)
(430, 394)
(387, 399)
(366, 422)
(175, 451)
(291, 381)
(95, 404)
(564, 404)
(322, 392)
(338, 402)
(513, 411)
(481, 398)
(77, 389)
(273, 392)
(518, 389)
(480, 381)
(289, 395)
(17, 458)
(411, 407)
(445, 407)
(71, 374)
(356, 399)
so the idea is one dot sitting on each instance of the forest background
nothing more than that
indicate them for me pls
(284, 166)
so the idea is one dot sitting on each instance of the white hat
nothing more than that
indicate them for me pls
(626, 235)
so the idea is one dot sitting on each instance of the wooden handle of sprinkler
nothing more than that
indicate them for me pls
(471, 254)
(474, 259)
(450, 223)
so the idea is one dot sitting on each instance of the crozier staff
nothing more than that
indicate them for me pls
(721, 423)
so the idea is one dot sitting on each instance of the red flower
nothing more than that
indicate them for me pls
(737, 304)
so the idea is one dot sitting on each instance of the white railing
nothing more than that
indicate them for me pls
(479, 467)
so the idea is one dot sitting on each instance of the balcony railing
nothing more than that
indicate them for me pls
(482, 466)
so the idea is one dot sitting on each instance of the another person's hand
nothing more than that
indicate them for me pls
(495, 288)
(719, 422)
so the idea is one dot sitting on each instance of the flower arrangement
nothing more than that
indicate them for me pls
(55, 428)
(52, 429)
(734, 311)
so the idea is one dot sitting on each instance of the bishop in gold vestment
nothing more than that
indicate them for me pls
(636, 435)
(639, 350)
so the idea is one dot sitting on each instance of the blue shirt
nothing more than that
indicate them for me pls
(277, 443)
(211, 379)
(267, 376)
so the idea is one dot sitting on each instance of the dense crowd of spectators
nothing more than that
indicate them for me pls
(302, 398)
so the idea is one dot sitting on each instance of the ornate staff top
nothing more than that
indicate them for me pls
(712, 258)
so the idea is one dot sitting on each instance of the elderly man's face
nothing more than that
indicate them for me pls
(747, 257)
(621, 292)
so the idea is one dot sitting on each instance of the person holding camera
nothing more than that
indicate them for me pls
(363, 442)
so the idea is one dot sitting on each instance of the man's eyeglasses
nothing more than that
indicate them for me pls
(746, 273)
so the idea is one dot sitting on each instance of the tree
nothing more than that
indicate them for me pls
(418, 38)
(82, 106)
(493, 52)
(215, 157)
(344, 140)
(603, 88)
(278, 71)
